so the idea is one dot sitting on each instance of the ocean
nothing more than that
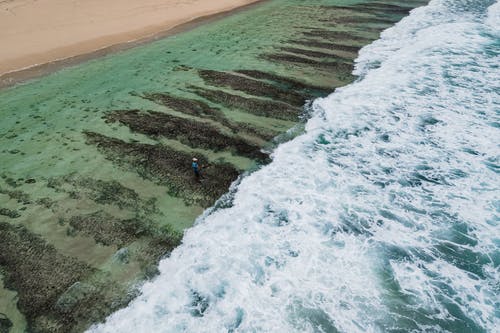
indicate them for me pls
(382, 217)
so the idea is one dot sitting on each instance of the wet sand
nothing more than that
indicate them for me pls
(39, 33)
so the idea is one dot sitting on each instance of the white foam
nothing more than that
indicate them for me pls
(382, 216)
(493, 19)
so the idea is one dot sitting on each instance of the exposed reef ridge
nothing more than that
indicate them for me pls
(38, 272)
(251, 87)
(256, 106)
(167, 167)
(195, 134)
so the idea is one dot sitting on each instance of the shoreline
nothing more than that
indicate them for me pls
(21, 75)
(97, 187)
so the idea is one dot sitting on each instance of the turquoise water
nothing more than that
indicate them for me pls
(89, 204)
(43, 120)
(382, 217)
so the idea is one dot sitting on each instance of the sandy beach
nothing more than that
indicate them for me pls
(35, 32)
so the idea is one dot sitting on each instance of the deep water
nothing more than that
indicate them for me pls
(382, 217)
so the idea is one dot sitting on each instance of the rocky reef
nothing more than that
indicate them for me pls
(96, 183)
(167, 167)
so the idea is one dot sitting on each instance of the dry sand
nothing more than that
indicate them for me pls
(35, 32)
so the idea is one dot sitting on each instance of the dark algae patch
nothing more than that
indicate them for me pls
(203, 110)
(96, 184)
(320, 64)
(315, 54)
(167, 167)
(9, 213)
(335, 35)
(192, 133)
(38, 273)
(325, 45)
(107, 230)
(100, 191)
(259, 107)
(251, 87)
(308, 90)
(5, 323)
(189, 106)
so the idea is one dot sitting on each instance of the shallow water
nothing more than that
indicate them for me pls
(382, 217)
(95, 179)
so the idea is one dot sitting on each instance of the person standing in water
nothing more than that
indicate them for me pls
(196, 168)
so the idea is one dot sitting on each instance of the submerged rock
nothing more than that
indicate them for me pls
(187, 106)
(46, 202)
(20, 196)
(201, 109)
(76, 293)
(39, 274)
(169, 167)
(196, 134)
(252, 87)
(122, 256)
(325, 45)
(309, 90)
(315, 54)
(109, 230)
(9, 213)
(335, 35)
(338, 67)
(256, 106)
(5, 324)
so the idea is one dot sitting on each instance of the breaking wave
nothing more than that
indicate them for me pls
(382, 217)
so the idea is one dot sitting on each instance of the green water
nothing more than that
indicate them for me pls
(43, 120)
(42, 124)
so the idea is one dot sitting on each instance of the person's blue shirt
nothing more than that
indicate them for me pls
(195, 166)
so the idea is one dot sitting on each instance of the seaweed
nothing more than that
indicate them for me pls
(168, 167)
(256, 106)
(192, 133)
(38, 273)
(325, 45)
(316, 54)
(251, 87)
(286, 82)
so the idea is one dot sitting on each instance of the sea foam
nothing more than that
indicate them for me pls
(382, 217)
